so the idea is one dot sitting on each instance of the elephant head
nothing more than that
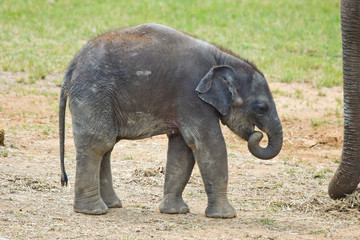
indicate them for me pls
(244, 101)
(347, 176)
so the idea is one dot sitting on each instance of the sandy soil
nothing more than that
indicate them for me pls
(283, 198)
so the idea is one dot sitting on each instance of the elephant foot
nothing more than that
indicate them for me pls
(221, 209)
(87, 206)
(113, 202)
(173, 205)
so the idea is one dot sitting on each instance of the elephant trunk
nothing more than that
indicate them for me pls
(347, 175)
(272, 149)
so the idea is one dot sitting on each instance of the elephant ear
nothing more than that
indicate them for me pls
(216, 88)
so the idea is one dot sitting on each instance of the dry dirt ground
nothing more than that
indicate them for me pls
(283, 198)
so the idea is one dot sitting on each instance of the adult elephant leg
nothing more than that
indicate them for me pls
(106, 183)
(347, 175)
(179, 166)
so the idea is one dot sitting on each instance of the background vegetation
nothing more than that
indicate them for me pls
(289, 40)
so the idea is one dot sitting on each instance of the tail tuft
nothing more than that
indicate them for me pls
(64, 179)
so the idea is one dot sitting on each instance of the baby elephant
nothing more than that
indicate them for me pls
(148, 80)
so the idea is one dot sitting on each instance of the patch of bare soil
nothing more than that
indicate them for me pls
(283, 198)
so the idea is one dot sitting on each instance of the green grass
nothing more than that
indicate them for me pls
(290, 41)
(266, 221)
(317, 123)
(4, 152)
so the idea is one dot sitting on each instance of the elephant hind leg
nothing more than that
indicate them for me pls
(87, 192)
(106, 184)
(95, 135)
(91, 149)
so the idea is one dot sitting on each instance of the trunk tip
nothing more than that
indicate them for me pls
(273, 148)
(338, 189)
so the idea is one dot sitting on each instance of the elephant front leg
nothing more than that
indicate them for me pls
(211, 157)
(106, 184)
(215, 177)
(212, 161)
(180, 162)
(87, 183)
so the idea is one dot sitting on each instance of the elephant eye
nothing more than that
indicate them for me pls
(260, 108)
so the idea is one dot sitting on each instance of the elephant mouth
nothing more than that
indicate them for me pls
(247, 133)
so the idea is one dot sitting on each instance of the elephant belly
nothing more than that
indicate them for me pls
(141, 125)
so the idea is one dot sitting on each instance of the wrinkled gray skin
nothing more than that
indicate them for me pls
(347, 176)
(151, 79)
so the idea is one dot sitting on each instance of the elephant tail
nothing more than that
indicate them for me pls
(62, 110)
